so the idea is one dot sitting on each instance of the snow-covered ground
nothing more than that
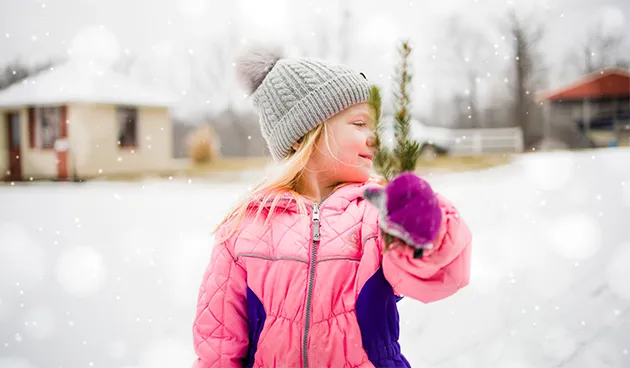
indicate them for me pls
(105, 274)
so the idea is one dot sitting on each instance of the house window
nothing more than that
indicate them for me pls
(48, 127)
(127, 118)
(14, 128)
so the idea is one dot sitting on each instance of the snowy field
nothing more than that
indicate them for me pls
(104, 274)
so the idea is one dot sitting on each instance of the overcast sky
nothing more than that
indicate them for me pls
(33, 30)
(38, 28)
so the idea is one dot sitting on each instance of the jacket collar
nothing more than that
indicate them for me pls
(339, 199)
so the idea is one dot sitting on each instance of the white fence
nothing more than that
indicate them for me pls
(463, 142)
(472, 141)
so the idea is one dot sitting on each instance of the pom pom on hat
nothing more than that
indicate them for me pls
(255, 63)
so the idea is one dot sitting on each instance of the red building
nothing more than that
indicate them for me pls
(593, 111)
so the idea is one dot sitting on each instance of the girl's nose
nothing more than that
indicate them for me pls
(371, 140)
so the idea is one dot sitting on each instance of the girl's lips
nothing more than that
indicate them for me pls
(369, 157)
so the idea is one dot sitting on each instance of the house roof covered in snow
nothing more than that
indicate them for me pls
(607, 83)
(77, 82)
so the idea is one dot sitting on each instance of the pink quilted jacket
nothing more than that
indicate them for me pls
(316, 291)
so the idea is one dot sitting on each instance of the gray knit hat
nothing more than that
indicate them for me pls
(295, 95)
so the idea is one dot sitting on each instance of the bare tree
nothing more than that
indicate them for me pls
(600, 49)
(17, 71)
(239, 131)
(345, 30)
(316, 42)
(314, 36)
(467, 46)
(527, 73)
(324, 45)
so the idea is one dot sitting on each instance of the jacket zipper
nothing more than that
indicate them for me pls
(311, 279)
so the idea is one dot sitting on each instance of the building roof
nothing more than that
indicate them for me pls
(607, 83)
(76, 82)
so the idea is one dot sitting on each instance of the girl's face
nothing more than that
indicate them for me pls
(345, 151)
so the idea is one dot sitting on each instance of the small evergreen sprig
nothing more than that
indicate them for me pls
(406, 152)
(383, 156)
(404, 156)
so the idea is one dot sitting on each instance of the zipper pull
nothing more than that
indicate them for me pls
(316, 222)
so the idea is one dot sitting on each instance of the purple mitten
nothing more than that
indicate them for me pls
(409, 210)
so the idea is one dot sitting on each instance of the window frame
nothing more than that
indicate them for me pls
(36, 129)
(125, 112)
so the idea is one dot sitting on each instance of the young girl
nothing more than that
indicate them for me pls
(300, 275)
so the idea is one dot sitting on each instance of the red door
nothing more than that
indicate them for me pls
(62, 152)
(15, 153)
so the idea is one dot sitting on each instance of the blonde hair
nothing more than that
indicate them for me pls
(274, 186)
(284, 180)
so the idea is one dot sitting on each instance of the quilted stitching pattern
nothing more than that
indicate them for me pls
(220, 328)
(221, 298)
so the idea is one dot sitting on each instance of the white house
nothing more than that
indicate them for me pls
(79, 120)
